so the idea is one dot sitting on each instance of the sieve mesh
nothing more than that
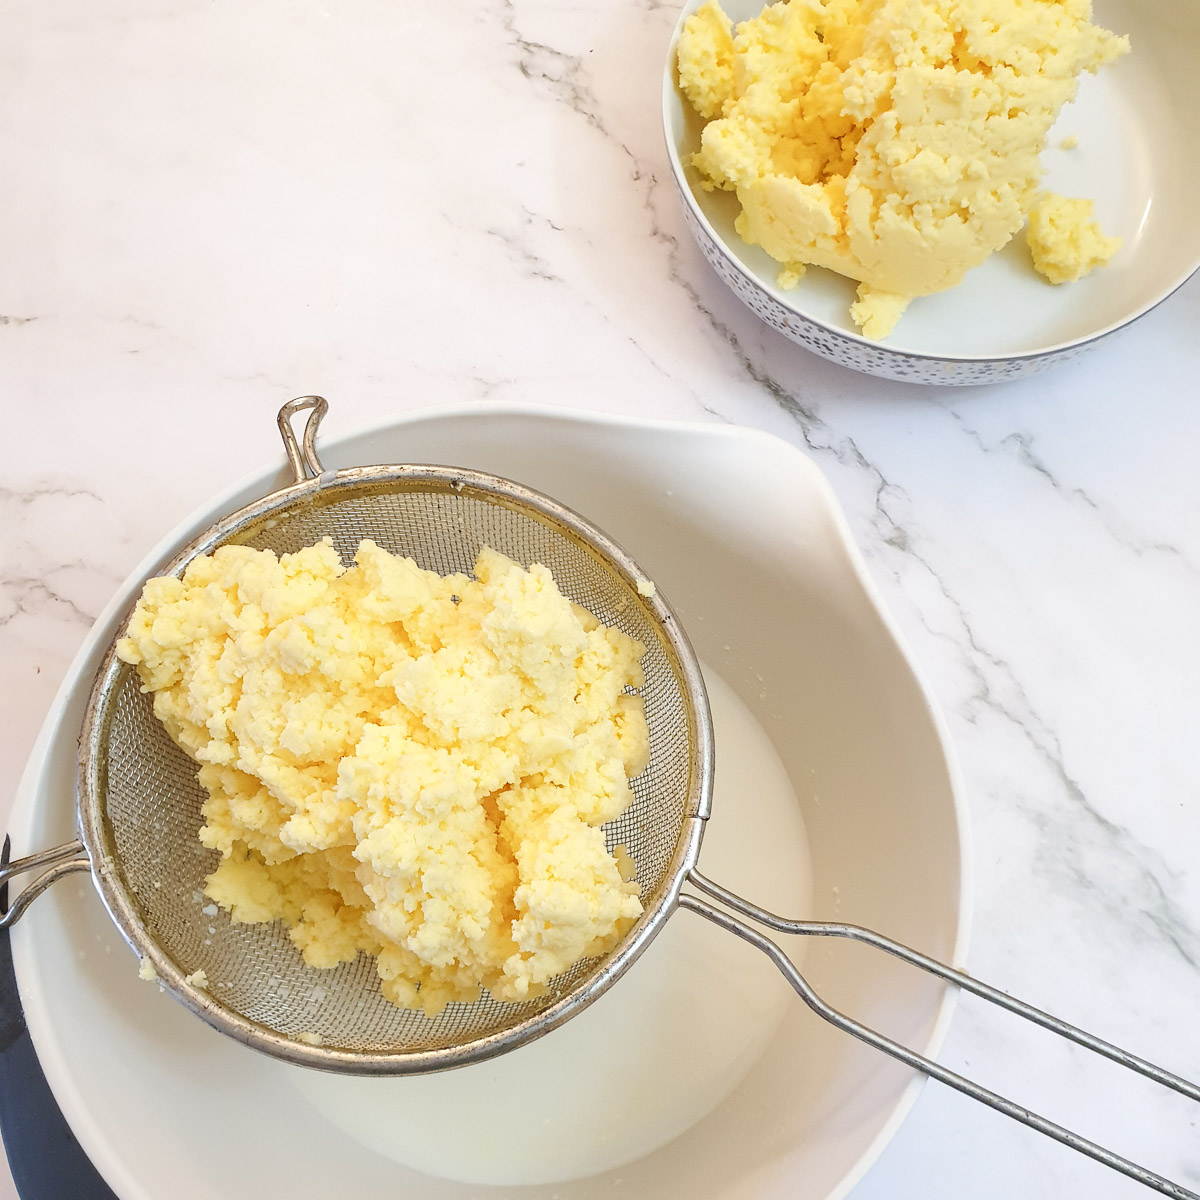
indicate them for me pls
(149, 802)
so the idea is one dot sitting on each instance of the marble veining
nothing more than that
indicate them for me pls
(1024, 451)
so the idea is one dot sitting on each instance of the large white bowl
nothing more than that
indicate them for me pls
(743, 534)
(1138, 157)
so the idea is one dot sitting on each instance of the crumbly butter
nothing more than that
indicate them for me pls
(400, 763)
(1065, 241)
(893, 141)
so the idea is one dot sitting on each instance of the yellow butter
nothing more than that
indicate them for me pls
(893, 141)
(403, 764)
(1064, 239)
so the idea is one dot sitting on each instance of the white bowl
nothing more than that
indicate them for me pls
(1138, 157)
(742, 533)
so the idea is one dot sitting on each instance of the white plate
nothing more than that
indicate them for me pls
(1138, 158)
(742, 533)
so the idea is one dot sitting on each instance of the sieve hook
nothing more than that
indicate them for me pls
(303, 456)
(748, 933)
(54, 864)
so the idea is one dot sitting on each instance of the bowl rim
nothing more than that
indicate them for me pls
(671, 94)
(51, 1052)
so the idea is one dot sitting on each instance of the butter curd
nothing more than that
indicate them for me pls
(893, 141)
(403, 764)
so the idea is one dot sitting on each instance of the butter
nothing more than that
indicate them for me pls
(1066, 243)
(398, 763)
(896, 142)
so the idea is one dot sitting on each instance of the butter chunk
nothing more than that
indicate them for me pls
(401, 764)
(896, 142)
(876, 312)
(1064, 239)
(706, 60)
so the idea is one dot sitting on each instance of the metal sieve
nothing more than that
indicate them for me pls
(139, 806)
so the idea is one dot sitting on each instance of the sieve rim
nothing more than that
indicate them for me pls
(95, 831)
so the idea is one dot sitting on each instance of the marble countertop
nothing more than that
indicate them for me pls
(212, 205)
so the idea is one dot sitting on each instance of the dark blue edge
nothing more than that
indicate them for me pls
(46, 1161)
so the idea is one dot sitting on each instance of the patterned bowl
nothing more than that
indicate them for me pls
(1138, 156)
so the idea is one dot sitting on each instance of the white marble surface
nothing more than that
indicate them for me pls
(211, 205)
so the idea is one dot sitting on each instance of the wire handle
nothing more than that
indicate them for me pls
(918, 1061)
(54, 864)
(303, 457)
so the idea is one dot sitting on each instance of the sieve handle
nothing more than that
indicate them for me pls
(302, 455)
(934, 1070)
(54, 864)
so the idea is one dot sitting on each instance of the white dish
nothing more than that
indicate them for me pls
(1138, 157)
(165, 1106)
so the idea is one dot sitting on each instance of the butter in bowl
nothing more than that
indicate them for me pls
(937, 192)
